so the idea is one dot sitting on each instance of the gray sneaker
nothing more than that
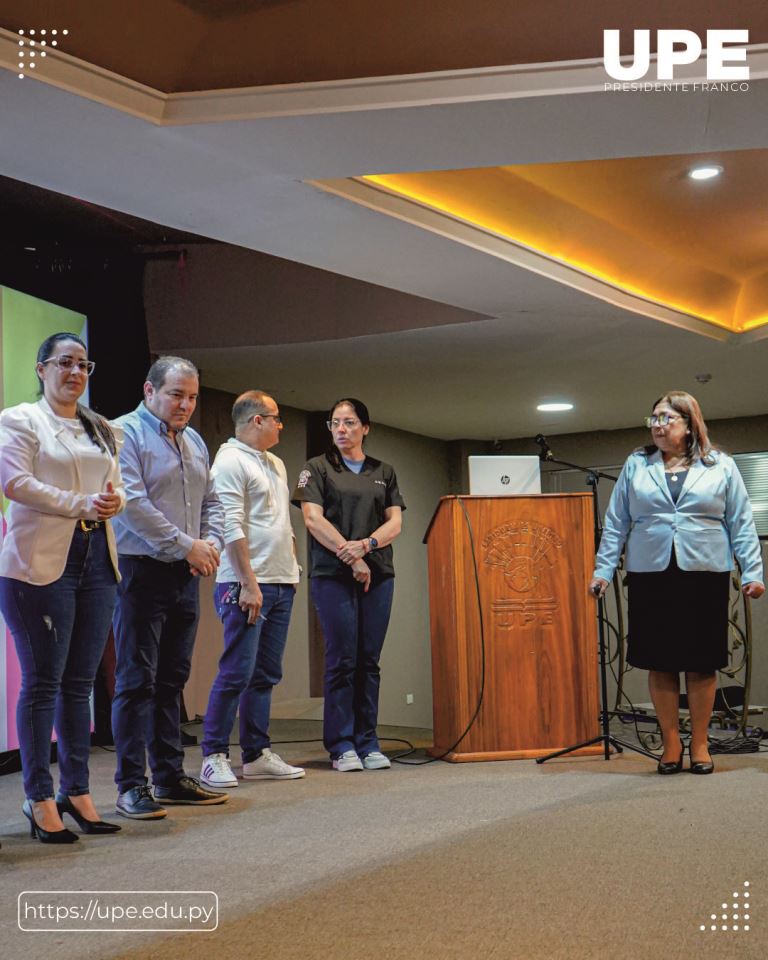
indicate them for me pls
(347, 762)
(375, 760)
(139, 804)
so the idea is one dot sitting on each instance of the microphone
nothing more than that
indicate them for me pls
(544, 453)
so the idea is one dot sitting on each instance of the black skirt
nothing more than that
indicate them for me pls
(678, 620)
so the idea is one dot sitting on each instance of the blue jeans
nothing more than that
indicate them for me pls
(354, 626)
(60, 631)
(158, 606)
(250, 666)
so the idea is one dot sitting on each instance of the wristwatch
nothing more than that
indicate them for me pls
(373, 544)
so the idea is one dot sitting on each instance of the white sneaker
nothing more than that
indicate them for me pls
(270, 767)
(216, 771)
(347, 762)
(375, 760)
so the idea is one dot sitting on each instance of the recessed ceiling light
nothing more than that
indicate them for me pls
(705, 173)
(554, 407)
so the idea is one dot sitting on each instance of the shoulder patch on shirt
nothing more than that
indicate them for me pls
(304, 477)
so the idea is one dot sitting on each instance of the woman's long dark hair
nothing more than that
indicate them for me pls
(95, 426)
(698, 445)
(333, 454)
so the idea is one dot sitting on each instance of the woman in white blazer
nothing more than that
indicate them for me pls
(58, 578)
(681, 509)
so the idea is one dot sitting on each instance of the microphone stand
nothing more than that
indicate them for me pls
(593, 478)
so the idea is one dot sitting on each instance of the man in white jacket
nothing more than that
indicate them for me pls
(255, 587)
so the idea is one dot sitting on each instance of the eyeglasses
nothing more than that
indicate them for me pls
(65, 362)
(335, 424)
(275, 416)
(662, 420)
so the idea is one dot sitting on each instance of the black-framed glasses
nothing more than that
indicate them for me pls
(275, 416)
(349, 423)
(65, 362)
(661, 420)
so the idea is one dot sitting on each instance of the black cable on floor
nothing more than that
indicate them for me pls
(419, 763)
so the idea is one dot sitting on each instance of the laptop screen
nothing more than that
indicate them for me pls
(503, 476)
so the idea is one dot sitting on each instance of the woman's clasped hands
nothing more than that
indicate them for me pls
(352, 552)
(107, 504)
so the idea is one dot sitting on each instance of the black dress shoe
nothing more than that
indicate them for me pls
(46, 836)
(65, 805)
(188, 790)
(701, 768)
(139, 804)
(666, 767)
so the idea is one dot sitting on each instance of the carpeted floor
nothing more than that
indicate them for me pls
(571, 860)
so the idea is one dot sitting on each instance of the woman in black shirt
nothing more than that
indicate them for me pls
(352, 509)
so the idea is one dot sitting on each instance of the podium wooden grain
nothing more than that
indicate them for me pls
(534, 559)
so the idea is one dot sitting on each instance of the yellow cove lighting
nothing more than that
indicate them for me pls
(648, 237)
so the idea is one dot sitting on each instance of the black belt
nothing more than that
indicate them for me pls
(145, 558)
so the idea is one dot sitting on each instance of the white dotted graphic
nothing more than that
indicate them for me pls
(743, 915)
(25, 40)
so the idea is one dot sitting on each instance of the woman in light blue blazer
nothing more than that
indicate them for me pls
(680, 511)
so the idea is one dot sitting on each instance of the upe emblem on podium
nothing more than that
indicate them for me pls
(522, 548)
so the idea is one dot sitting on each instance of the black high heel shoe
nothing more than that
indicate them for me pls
(65, 805)
(700, 768)
(46, 836)
(666, 767)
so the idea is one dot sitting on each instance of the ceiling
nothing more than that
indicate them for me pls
(185, 45)
(641, 224)
(277, 171)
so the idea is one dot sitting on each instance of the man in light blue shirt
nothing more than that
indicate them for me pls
(170, 534)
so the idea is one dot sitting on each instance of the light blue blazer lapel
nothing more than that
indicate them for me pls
(656, 472)
(695, 472)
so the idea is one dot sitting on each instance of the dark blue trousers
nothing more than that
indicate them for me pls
(60, 631)
(250, 666)
(155, 623)
(354, 625)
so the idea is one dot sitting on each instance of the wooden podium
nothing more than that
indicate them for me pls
(534, 558)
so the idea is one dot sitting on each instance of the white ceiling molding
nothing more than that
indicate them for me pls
(754, 336)
(248, 183)
(379, 198)
(335, 96)
(61, 70)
